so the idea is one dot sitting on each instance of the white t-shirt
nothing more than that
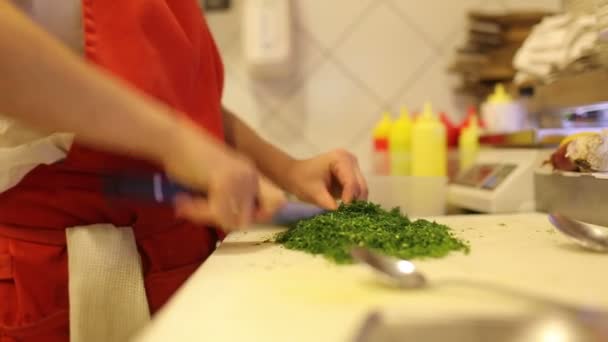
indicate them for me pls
(61, 18)
(21, 148)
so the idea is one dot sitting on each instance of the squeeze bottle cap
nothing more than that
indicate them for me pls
(405, 114)
(427, 113)
(500, 95)
(383, 127)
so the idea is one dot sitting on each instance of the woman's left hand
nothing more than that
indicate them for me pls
(321, 179)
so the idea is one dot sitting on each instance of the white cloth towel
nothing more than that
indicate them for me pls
(107, 294)
(554, 45)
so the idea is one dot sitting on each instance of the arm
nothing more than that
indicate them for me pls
(270, 160)
(314, 180)
(46, 86)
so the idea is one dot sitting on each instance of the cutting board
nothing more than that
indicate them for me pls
(251, 290)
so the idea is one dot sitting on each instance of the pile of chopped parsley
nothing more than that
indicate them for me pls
(366, 224)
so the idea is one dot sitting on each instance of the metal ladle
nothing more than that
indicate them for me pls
(573, 323)
(589, 237)
(405, 274)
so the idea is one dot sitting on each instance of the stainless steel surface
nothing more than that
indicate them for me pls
(570, 91)
(548, 326)
(541, 137)
(402, 271)
(579, 196)
(590, 237)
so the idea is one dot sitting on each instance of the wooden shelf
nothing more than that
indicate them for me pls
(572, 91)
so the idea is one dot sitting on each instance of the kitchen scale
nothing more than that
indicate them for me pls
(501, 181)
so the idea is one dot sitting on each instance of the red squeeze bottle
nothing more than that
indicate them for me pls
(471, 112)
(452, 131)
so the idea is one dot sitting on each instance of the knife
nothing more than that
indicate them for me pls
(157, 188)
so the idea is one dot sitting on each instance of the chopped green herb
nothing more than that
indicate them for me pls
(365, 224)
(502, 224)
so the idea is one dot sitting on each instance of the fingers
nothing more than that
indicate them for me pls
(344, 169)
(194, 209)
(364, 191)
(222, 211)
(323, 199)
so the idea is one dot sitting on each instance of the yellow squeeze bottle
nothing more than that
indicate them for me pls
(400, 146)
(468, 144)
(429, 145)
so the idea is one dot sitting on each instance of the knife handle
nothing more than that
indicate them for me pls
(159, 189)
(155, 188)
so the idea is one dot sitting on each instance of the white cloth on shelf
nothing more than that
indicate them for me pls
(555, 45)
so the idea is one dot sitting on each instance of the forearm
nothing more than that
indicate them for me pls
(271, 161)
(46, 86)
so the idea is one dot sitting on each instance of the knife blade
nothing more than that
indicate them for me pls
(157, 188)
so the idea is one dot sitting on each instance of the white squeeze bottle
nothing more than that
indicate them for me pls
(501, 113)
(400, 145)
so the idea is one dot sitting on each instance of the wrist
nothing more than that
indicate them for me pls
(282, 172)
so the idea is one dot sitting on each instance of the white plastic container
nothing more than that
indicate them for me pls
(267, 37)
(416, 196)
(501, 114)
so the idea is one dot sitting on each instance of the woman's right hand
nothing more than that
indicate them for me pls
(230, 181)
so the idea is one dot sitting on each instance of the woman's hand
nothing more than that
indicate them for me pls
(271, 199)
(230, 180)
(321, 179)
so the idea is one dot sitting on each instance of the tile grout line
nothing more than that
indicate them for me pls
(299, 84)
(327, 52)
(413, 26)
(422, 69)
(269, 110)
(343, 68)
(420, 72)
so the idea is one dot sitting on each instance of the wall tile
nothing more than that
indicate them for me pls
(226, 25)
(383, 51)
(243, 102)
(329, 109)
(436, 19)
(307, 56)
(327, 20)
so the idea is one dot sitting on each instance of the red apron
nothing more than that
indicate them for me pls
(160, 47)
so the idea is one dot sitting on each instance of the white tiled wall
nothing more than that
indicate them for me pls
(354, 59)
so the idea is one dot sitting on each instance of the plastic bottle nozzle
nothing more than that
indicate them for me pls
(405, 114)
(473, 123)
(471, 111)
(383, 128)
(500, 95)
(427, 112)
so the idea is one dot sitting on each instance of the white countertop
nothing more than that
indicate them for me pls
(247, 291)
